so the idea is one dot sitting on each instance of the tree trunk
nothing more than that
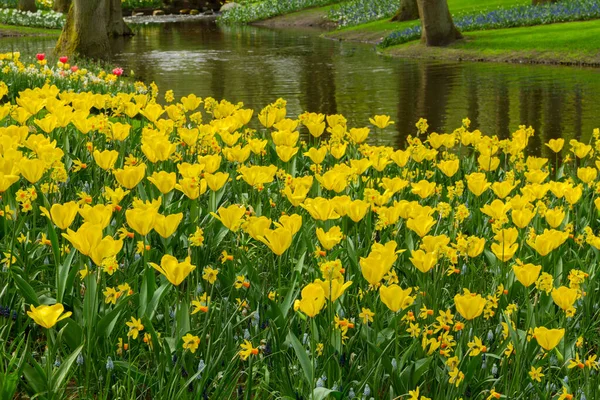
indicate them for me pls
(436, 23)
(61, 6)
(408, 11)
(84, 32)
(27, 5)
(115, 26)
(536, 2)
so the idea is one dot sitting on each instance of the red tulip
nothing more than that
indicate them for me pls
(117, 71)
(40, 56)
(74, 68)
(63, 59)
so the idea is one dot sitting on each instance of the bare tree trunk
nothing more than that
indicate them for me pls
(27, 5)
(61, 6)
(436, 23)
(536, 2)
(115, 26)
(84, 32)
(408, 11)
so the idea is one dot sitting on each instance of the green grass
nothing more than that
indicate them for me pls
(14, 30)
(567, 42)
(374, 31)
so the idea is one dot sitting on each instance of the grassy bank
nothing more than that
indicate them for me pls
(572, 42)
(14, 30)
(374, 32)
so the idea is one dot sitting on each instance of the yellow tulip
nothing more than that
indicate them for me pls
(158, 148)
(191, 187)
(296, 196)
(285, 153)
(278, 240)
(333, 180)
(317, 156)
(231, 216)
(191, 102)
(320, 209)
(62, 215)
(216, 181)
(469, 305)
(166, 225)
(396, 298)
(477, 183)
(522, 218)
(496, 209)
(315, 128)
(555, 217)
(475, 246)
(257, 226)
(564, 297)
(256, 175)
(211, 163)
(174, 270)
(108, 247)
(140, 220)
(421, 225)
(357, 209)
(130, 176)
(152, 112)
(312, 299)
(292, 222)
(422, 261)
(379, 261)
(6, 180)
(32, 169)
(358, 135)
(47, 316)
(237, 153)
(333, 289)
(449, 167)
(99, 214)
(504, 251)
(106, 159)
(503, 189)
(87, 237)
(548, 241)
(548, 338)
(330, 238)
(423, 188)
(556, 145)
(119, 131)
(527, 274)
(381, 121)
(587, 174)
(573, 194)
(164, 181)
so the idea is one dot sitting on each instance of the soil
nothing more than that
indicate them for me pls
(312, 17)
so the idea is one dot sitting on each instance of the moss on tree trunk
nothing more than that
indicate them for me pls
(408, 11)
(84, 32)
(436, 23)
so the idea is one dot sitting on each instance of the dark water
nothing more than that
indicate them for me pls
(258, 65)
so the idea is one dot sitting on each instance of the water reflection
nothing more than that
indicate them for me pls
(258, 65)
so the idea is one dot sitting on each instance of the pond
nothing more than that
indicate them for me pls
(258, 65)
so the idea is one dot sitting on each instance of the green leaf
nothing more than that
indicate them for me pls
(302, 357)
(61, 374)
(63, 277)
(322, 393)
(25, 289)
(108, 321)
(156, 299)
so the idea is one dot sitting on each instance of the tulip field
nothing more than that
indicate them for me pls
(156, 248)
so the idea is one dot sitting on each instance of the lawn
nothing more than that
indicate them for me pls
(566, 42)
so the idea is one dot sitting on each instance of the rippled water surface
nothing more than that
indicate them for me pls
(257, 65)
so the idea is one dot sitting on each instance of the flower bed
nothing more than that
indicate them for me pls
(38, 19)
(202, 249)
(564, 11)
(255, 11)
